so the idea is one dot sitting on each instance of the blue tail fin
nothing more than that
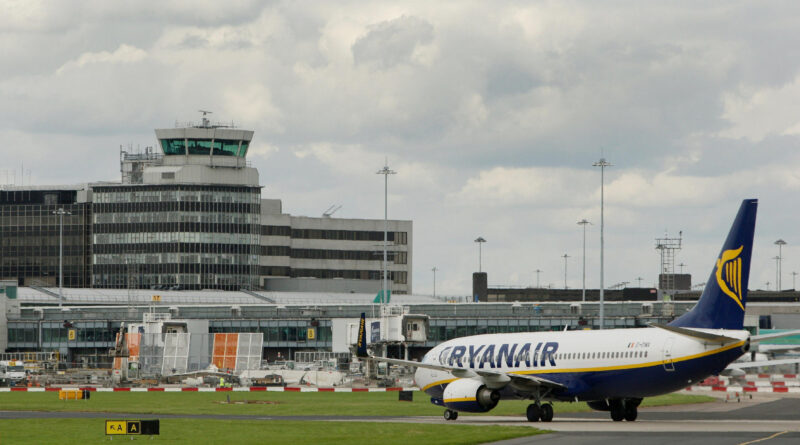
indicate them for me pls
(361, 342)
(723, 301)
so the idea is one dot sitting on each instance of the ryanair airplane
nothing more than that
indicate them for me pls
(612, 370)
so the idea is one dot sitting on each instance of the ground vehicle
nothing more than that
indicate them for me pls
(12, 373)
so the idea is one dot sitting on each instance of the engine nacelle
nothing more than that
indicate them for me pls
(470, 395)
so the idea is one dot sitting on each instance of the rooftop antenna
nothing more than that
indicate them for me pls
(206, 122)
(331, 210)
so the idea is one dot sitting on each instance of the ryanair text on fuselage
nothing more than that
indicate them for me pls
(496, 356)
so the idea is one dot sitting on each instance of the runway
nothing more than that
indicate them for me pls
(769, 420)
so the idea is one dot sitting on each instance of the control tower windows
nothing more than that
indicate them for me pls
(220, 147)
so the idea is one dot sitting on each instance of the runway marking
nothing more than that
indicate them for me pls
(764, 438)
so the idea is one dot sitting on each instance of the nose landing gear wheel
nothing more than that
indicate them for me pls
(547, 412)
(533, 412)
(450, 414)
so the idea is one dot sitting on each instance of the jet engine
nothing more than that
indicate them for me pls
(470, 395)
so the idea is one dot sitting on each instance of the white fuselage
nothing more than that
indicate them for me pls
(608, 363)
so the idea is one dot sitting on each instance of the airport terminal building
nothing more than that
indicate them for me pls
(192, 217)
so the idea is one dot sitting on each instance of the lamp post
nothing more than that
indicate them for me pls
(565, 256)
(777, 272)
(780, 243)
(583, 223)
(602, 163)
(61, 212)
(794, 275)
(434, 281)
(537, 278)
(385, 171)
(480, 241)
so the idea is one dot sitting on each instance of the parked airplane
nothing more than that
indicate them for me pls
(612, 370)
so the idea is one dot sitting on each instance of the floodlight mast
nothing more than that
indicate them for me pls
(583, 223)
(61, 212)
(780, 243)
(385, 171)
(602, 163)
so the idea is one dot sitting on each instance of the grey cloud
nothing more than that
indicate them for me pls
(388, 44)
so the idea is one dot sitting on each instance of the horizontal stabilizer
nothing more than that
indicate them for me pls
(697, 334)
(771, 335)
(763, 363)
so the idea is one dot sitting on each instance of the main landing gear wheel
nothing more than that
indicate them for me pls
(547, 412)
(617, 410)
(533, 412)
(450, 414)
(631, 412)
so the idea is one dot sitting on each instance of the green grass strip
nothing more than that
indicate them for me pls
(280, 403)
(190, 431)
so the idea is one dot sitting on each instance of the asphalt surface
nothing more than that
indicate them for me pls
(764, 420)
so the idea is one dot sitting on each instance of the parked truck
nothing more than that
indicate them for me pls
(12, 373)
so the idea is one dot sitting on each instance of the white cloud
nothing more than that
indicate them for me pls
(123, 54)
(758, 112)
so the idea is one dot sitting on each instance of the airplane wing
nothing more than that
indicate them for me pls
(494, 379)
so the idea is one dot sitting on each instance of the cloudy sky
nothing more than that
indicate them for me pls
(492, 114)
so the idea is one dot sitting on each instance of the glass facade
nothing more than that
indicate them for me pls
(29, 238)
(178, 236)
(217, 147)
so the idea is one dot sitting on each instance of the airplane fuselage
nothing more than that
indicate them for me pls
(592, 365)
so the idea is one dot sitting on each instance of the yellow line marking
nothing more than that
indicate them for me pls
(764, 438)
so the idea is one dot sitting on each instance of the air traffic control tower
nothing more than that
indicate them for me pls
(185, 218)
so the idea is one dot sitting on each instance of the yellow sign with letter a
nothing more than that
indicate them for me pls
(116, 427)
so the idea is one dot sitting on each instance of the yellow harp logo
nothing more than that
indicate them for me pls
(729, 274)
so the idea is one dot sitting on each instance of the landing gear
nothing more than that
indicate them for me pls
(450, 414)
(624, 409)
(631, 412)
(536, 412)
(533, 412)
(547, 412)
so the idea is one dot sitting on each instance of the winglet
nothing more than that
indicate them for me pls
(361, 342)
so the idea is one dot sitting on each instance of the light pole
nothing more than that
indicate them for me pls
(602, 163)
(777, 273)
(480, 241)
(61, 212)
(794, 275)
(681, 266)
(639, 280)
(434, 281)
(583, 223)
(565, 256)
(780, 243)
(385, 171)
(537, 278)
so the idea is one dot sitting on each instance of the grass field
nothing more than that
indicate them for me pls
(86, 431)
(280, 403)
(190, 431)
